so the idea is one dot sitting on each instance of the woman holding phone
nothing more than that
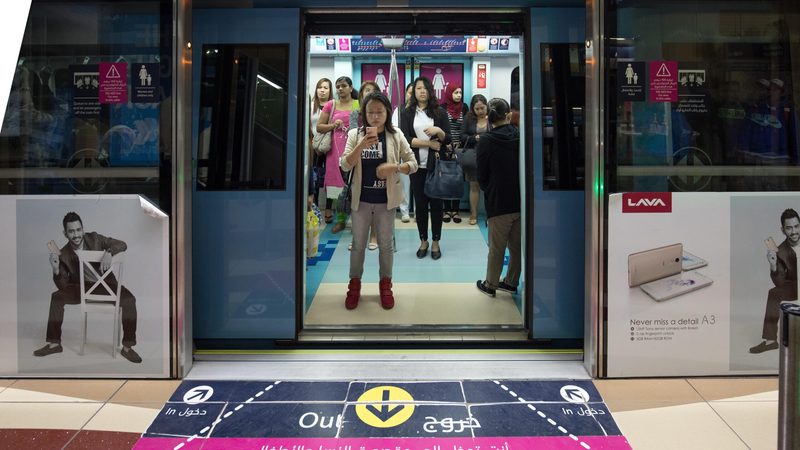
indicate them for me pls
(377, 153)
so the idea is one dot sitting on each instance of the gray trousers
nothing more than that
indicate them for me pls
(367, 214)
(504, 231)
(406, 182)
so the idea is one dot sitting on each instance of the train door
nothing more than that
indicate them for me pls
(435, 298)
(245, 71)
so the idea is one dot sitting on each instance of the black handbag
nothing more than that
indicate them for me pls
(446, 180)
(469, 158)
(344, 203)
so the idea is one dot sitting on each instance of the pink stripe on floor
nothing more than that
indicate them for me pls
(484, 443)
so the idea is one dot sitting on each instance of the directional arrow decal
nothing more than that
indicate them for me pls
(385, 412)
(574, 394)
(385, 406)
(198, 394)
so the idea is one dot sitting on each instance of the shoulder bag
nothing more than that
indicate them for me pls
(344, 203)
(446, 180)
(468, 156)
(321, 142)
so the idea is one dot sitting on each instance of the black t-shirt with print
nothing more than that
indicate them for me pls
(373, 189)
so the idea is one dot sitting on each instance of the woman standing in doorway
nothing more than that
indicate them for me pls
(475, 125)
(322, 94)
(336, 118)
(405, 213)
(377, 153)
(367, 87)
(456, 110)
(427, 130)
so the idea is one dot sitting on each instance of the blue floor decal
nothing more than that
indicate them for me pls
(265, 415)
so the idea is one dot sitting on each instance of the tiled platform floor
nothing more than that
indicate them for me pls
(653, 414)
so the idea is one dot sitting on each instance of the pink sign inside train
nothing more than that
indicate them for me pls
(113, 82)
(663, 81)
(379, 73)
(442, 75)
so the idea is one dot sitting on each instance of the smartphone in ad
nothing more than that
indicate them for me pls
(653, 264)
(53, 248)
(675, 285)
(691, 262)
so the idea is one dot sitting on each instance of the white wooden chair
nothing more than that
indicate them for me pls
(98, 296)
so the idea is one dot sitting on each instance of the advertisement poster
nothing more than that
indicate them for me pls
(695, 281)
(42, 299)
(441, 75)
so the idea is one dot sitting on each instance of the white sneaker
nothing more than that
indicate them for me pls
(406, 218)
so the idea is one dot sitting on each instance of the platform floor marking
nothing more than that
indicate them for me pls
(228, 414)
(542, 415)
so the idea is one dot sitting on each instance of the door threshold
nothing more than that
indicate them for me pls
(464, 335)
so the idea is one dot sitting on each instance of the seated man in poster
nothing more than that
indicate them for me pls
(66, 276)
(782, 261)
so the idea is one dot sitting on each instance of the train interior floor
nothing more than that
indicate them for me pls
(427, 292)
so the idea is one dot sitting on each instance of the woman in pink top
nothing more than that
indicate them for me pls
(344, 117)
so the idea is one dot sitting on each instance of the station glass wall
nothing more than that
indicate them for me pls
(731, 125)
(59, 135)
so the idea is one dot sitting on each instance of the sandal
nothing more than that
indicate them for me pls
(472, 221)
(328, 216)
(456, 218)
(446, 217)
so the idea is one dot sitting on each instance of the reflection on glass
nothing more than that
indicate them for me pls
(59, 135)
(243, 120)
(563, 99)
(731, 124)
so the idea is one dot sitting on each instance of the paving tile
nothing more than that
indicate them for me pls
(755, 422)
(106, 440)
(66, 416)
(645, 393)
(687, 426)
(145, 391)
(15, 439)
(124, 418)
(736, 389)
(61, 390)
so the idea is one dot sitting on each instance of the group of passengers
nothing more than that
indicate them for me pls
(381, 154)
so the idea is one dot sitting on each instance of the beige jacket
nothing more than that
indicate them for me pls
(398, 152)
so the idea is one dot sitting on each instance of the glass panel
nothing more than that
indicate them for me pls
(701, 95)
(563, 99)
(60, 134)
(243, 107)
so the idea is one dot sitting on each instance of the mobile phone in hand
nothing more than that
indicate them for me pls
(770, 243)
(372, 131)
(53, 247)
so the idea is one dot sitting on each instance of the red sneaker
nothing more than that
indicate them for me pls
(353, 293)
(387, 298)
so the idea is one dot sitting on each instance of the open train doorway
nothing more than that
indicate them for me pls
(468, 58)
